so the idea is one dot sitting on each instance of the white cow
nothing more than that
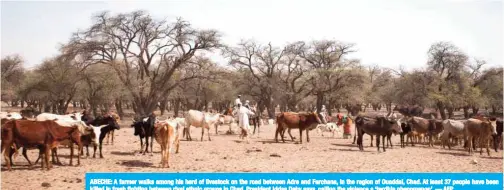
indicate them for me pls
(66, 121)
(10, 115)
(329, 127)
(199, 119)
(452, 128)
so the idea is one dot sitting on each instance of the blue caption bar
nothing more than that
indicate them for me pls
(293, 181)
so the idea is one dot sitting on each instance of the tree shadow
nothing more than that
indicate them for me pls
(135, 163)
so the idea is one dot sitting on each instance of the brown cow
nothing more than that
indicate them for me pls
(167, 135)
(45, 135)
(301, 121)
(482, 129)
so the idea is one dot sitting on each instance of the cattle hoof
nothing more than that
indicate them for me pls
(101, 156)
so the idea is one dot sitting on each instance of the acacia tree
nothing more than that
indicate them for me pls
(293, 81)
(151, 57)
(326, 59)
(261, 64)
(60, 80)
(12, 74)
(490, 84)
(447, 62)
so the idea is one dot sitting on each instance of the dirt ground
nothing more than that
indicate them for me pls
(227, 153)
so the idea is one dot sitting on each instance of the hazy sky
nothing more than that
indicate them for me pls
(387, 32)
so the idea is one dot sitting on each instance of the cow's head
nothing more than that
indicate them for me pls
(390, 123)
(314, 114)
(491, 124)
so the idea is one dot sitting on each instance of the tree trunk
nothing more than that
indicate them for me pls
(475, 110)
(441, 108)
(494, 110)
(118, 105)
(162, 106)
(271, 109)
(466, 112)
(450, 112)
(176, 107)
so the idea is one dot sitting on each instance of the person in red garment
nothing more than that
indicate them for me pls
(346, 122)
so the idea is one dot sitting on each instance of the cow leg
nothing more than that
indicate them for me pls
(94, 150)
(141, 144)
(112, 136)
(146, 145)
(208, 133)
(469, 144)
(152, 143)
(308, 136)
(377, 142)
(390, 140)
(47, 152)
(495, 142)
(277, 132)
(8, 159)
(300, 136)
(487, 144)
(355, 133)
(26, 156)
(71, 154)
(290, 134)
(100, 141)
(372, 141)
(43, 154)
(384, 140)
(402, 140)
(107, 137)
(359, 141)
(202, 132)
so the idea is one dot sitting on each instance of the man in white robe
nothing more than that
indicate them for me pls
(243, 117)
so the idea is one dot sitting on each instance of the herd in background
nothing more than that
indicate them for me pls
(47, 131)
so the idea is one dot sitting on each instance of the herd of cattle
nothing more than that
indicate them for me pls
(46, 132)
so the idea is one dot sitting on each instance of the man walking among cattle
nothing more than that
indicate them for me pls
(243, 118)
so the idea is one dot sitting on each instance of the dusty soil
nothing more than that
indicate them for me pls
(227, 153)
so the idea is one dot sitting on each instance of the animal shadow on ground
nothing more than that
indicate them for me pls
(491, 158)
(345, 149)
(135, 163)
(455, 153)
(120, 153)
(347, 145)
(24, 167)
(270, 142)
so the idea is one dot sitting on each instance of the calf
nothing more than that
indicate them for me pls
(226, 120)
(381, 126)
(144, 128)
(329, 127)
(42, 134)
(301, 121)
(104, 126)
(483, 129)
(406, 129)
(167, 134)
